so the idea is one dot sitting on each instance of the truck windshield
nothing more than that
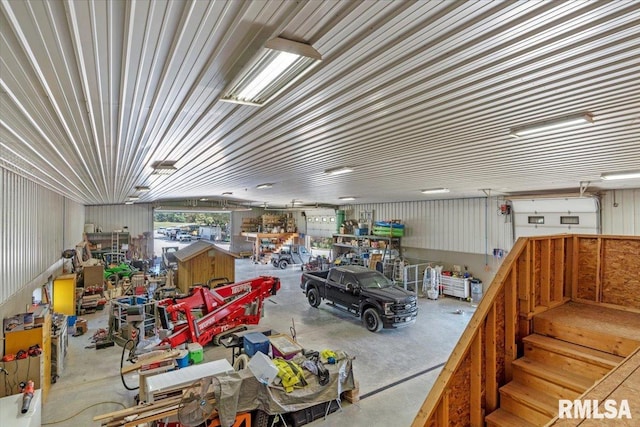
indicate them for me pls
(374, 281)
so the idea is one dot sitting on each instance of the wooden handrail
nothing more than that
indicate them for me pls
(538, 274)
(437, 392)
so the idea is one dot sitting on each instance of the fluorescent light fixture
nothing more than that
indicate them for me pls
(435, 190)
(276, 66)
(262, 186)
(621, 175)
(339, 170)
(227, 193)
(203, 199)
(142, 188)
(347, 198)
(128, 202)
(163, 167)
(559, 123)
(133, 197)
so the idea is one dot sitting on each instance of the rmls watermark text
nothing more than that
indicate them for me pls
(590, 408)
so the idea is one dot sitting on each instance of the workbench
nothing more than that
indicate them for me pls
(11, 406)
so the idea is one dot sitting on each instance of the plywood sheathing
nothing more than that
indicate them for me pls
(621, 278)
(587, 268)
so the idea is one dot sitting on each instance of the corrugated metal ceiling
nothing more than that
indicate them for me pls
(412, 94)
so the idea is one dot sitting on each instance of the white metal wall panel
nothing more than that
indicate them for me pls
(137, 217)
(552, 209)
(621, 212)
(31, 236)
(73, 223)
(457, 225)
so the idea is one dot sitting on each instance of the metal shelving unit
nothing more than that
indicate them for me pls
(362, 247)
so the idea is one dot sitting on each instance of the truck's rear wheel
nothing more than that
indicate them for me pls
(283, 264)
(313, 297)
(372, 320)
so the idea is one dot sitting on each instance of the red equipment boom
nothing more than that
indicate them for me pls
(222, 308)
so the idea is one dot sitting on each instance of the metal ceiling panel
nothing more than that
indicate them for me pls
(412, 94)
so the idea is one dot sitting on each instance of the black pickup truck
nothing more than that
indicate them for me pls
(363, 292)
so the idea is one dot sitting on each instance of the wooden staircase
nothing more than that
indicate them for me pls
(572, 347)
(285, 239)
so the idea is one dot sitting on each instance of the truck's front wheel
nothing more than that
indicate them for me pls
(283, 264)
(313, 297)
(372, 320)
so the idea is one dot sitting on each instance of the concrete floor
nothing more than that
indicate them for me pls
(395, 368)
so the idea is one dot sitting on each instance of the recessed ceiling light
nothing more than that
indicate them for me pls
(347, 198)
(435, 190)
(164, 167)
(621, 175)
(339, 170)
(133, 197)
(276, 66)
(265, 185)
(558, 123)
(142, 188)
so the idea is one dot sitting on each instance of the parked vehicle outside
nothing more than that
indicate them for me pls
(183, 236)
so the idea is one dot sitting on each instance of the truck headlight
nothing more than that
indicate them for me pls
(388, 308)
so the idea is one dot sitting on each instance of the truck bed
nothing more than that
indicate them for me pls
(313, 275)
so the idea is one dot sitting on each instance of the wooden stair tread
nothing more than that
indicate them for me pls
(624, 324)
(532, 398)
(602, 328)
(575, 351)
(555, 375)
(503, 418)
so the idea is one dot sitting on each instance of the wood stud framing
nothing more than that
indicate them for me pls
(538, 274)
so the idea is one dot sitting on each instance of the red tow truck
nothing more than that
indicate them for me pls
(206, 313)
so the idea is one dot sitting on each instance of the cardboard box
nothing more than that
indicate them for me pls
(284, 346)
(93, 275)
(81, 326)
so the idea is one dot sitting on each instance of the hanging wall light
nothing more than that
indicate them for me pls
(278, 65)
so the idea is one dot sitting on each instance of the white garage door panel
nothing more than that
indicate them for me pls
(552, 210)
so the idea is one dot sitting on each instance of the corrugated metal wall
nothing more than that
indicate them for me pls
(31, 231)
(621, 212)
(73, 223)
(457, 225)
(138, 217)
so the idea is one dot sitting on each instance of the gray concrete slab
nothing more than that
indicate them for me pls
(395, 368)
